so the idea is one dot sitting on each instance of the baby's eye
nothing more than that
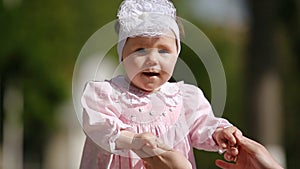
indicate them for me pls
(163, 51)
(141, 50)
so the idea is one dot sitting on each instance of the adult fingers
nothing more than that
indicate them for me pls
(229, 157)
(153, 152)
(238, 132)
(233, 151)
(224, 165)
(147, 164)
(143, 154)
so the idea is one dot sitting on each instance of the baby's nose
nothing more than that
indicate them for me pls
(153, 57)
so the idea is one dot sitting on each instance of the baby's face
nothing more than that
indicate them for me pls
(149, 61)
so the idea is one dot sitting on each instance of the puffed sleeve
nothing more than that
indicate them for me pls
(199, 115)
(101, 115)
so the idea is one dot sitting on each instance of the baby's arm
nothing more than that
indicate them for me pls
(225, 139)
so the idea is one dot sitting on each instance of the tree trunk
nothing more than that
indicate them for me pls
(263, 84)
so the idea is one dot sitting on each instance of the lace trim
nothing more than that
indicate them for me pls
(135, 8)
(130, 95)
(142, 16)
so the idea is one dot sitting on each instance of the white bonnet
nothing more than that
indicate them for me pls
(146, 18)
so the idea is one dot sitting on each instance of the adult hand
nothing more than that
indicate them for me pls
(169, 159)
(155, 154)
(252, 155)
(164, 157)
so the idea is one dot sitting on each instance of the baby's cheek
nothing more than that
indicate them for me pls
(169, 69)
(132, 70)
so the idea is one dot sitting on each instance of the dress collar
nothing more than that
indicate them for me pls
(170, 93)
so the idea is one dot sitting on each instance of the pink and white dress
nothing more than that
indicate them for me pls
(178, 114)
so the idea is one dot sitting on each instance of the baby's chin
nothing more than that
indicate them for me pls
(150, 88)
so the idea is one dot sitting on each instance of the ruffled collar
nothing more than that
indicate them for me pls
(170, 93)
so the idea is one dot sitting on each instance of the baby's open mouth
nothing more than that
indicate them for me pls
(151, 73)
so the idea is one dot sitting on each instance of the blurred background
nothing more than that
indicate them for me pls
(258, 43)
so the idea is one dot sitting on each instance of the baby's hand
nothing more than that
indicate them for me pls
(144, 144)
(225, 139)
(140, 142)
(148, 145)
(143, 140)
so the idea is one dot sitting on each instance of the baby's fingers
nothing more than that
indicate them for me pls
(222, 143)
(144, 139)
(163, 146)
(152, 142)
(228, 134)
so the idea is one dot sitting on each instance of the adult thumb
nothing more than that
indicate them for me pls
(247, 144)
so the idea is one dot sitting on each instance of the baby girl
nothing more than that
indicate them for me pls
(140, 114)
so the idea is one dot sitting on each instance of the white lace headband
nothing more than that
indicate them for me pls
(146, 18)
